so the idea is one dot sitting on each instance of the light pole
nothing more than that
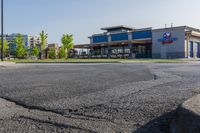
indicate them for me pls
(2, 36)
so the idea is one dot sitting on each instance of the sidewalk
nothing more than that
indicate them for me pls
(5, 64)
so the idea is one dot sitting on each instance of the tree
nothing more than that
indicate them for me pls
(52, 53)
(5, 48)
(21, 51)
(43, 39)
(35, 51)
(62, 53)
(67, 42)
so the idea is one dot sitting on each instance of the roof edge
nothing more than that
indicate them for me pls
(118, 26)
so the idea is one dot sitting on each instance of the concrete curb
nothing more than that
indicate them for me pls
(66, 62)
(187, 118)
(5, 64)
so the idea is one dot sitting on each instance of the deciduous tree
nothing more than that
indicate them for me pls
(52, 53)
(43, 39)
(21, 51)
(35, 51)
(5, 48)
(62, 53)
(67, 42)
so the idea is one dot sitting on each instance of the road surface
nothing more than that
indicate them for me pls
(105, 98)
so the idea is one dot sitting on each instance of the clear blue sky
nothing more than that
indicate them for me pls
(85, 17)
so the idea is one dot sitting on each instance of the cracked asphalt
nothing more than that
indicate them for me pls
(103, 98)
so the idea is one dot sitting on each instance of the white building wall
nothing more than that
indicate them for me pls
(109, 38)
(130, 36)
(174, 50)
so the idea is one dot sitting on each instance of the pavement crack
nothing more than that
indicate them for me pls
(58, 124)
(32, 107)
(85, 123)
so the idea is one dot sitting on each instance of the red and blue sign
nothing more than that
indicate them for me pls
(167, 38)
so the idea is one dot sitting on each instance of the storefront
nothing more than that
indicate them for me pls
(126, 42)
(175, 42)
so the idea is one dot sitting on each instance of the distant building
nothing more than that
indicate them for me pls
(125, 42)
(34, 40)
(29, 41)
(54, 46)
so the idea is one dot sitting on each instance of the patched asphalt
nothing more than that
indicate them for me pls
(130, 97)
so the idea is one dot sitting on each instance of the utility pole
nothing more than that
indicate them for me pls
(2, 36)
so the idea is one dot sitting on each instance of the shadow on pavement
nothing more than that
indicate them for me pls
(158, 125)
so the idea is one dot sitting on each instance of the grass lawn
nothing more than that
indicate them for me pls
(100, 61)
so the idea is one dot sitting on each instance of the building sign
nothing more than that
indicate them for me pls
(167, 38)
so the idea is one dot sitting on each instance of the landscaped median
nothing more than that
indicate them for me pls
(102, 61)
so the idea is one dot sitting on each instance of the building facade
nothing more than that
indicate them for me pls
(126, 42)
(29, 41)
(54, 46)
(176, 42)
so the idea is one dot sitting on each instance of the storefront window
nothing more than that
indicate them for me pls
(127, 51)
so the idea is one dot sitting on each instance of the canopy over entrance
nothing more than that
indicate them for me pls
(116, 43)
(117, 49)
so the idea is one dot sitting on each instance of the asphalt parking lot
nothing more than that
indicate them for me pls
(129, 97)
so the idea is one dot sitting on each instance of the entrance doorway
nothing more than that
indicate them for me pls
(142, 50)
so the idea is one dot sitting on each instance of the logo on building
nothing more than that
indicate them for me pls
(167, 38)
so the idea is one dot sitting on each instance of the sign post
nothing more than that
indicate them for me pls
(2, 36)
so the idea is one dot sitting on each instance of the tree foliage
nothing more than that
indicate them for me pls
(43, 39)
(67, 42)
(35, 51)
(21, 51)
(62, 53)
(5, 48)
(52, 53)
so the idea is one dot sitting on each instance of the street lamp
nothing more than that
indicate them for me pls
(2, 37)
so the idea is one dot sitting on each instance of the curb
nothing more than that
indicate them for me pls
(5, 64)
(187, 118)
(65, 62)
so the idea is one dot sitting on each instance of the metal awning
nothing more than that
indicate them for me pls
(193, 33)
(115, 43)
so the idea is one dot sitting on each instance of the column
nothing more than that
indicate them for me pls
(109, 47)
(131, 50)
(109, 51)
(101, 52)
(130, 38)
(187, 47)
(123, 51)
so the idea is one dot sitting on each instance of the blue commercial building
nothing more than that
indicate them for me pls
(126, 42)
